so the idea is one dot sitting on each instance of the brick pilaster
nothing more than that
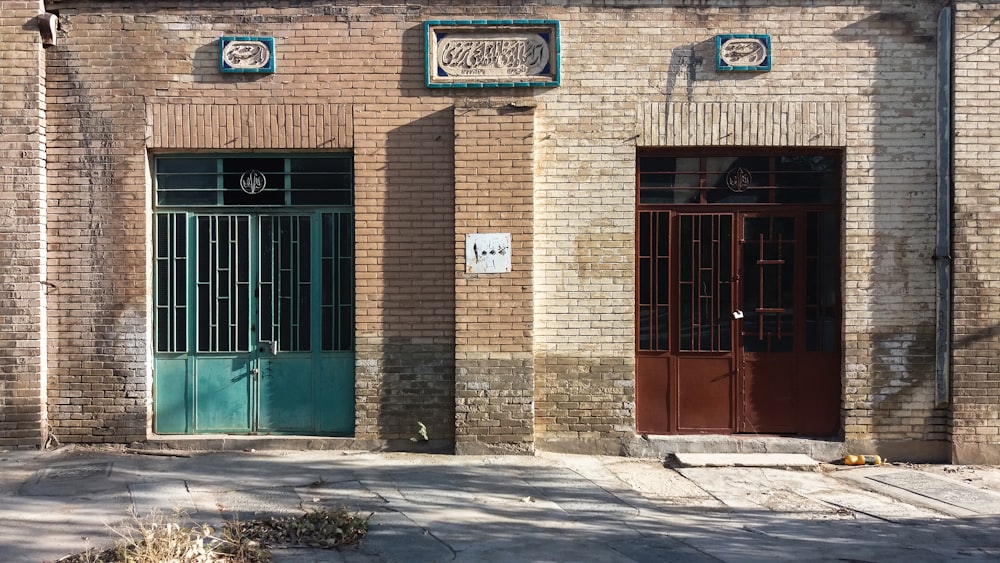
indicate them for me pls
(22, 227)
(494, 373)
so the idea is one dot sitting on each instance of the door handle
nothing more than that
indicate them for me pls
(737, 314)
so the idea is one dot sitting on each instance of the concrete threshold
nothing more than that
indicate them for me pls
(266, 442)
(226, 442)
(822, 449)
(780, 461)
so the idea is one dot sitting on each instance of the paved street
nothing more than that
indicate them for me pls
(551, 507)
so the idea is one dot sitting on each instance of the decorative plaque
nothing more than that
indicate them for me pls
(246, 54)
(743, 52)
(482, 54)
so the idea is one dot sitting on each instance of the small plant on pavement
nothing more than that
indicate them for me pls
(316, 528)
(159, 538)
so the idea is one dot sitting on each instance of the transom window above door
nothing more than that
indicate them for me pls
(742, 177)
(253, 180)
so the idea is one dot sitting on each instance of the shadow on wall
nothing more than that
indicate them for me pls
(417, 371)
(900, 210)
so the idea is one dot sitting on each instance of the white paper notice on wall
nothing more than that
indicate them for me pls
(487, 253)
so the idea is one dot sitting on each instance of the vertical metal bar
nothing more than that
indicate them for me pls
(716, 263)
(653, 281)
(650, 281)
(171, 288)
(212, 282)
(779, 275)
(278, 285)
(942, 254)
(277, 288)
(760, 286)
(171, 272)
(297, 276)
(216, 283)
(243, 286)
(233, 279)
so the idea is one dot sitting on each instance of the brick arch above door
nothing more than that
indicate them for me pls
(249, 126)
(766, 123)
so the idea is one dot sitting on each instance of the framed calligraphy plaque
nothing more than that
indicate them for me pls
(743, 52)
(246, 54)
(492, 53)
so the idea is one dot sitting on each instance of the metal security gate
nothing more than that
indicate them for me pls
(254, 306)
(738, 295)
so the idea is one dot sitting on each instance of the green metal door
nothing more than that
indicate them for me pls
(268, 324)
(254, 321)
(305, 380)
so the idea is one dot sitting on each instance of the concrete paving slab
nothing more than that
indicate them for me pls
(70, 479)
(871, 479)
(255, 503)
(161, 497)
(550, 507)
(330, 496)
(877, 506)
(942, 490)
(784, 461)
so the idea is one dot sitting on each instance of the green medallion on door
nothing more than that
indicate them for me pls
(254, 296)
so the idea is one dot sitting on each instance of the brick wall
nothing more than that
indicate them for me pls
(872, 60)
(494, 377)
(876, 70)
(22, 227)
(976, 379)
(125, 81)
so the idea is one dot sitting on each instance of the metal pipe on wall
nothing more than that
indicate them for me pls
(942, 253)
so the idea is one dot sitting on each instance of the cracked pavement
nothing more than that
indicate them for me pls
(548, 507)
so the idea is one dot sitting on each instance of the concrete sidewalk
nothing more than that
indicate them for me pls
(551, 507)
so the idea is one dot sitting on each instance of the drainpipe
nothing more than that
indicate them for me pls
(942, 253)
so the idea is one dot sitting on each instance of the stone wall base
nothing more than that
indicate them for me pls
(914, 451)
(975, 453)
(477, 447)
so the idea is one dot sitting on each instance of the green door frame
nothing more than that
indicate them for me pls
(253, 390)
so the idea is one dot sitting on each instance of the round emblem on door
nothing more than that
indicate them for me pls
(253, 182)
(738, 179)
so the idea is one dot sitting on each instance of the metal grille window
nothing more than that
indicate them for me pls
(337, 257)
(285, 274)
(223, 283)
(254, 180)
(739, 179)
(705, 282)
(171, 275)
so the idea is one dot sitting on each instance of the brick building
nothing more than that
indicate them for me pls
(501, 227)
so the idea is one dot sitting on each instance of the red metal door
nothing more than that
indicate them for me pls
(767, 336)
(738, 312)
(788, 361)
(738, 326)
(686, 293)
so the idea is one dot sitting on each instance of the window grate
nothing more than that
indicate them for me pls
(254, 180)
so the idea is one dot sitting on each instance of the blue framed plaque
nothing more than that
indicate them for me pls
(491, 53)
(742, 52)
(246, 54)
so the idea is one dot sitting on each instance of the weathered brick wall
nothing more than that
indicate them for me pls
(22, 226)
(98, 230)
(975, 375)
(873, 60)
(125, 80)
(494, 367)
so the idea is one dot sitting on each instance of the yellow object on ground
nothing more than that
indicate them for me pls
(862, 460)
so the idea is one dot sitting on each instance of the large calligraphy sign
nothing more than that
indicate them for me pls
(466, 54)
(246, 54)
(743, 52)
